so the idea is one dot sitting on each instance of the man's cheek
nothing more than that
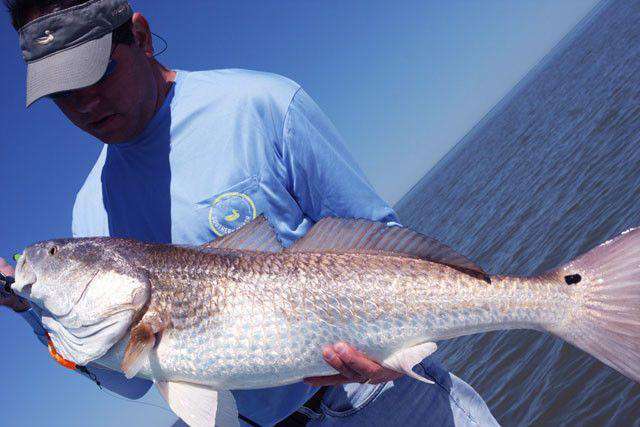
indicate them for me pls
(66, 106)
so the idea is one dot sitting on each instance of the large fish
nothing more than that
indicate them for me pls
(243, 313)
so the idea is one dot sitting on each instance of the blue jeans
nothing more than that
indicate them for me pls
(404, 402)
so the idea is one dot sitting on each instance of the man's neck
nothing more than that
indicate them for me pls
(164, 81)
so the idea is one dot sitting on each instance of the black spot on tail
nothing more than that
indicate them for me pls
(572, 279)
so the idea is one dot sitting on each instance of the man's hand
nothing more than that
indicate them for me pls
(354, 367)
(14, 302)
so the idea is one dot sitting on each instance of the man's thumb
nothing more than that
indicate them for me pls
(5, 268)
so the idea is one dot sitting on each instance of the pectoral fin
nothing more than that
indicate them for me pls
(199, 405)
(404, 360)
(141, 341)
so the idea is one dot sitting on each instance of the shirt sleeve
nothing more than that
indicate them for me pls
(322, 175)
(134, 388)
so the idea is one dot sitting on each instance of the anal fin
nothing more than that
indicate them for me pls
(199, 405)
(405, 359)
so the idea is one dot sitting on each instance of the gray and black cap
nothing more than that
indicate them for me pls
(70, 48)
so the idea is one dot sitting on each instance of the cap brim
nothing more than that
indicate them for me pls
(69, 69)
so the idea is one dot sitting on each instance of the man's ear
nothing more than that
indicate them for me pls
(142, 33)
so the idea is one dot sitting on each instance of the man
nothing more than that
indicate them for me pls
(190, 156)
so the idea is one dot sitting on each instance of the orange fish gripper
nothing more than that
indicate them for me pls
(67, 363)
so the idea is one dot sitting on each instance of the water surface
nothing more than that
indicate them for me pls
(551, 172)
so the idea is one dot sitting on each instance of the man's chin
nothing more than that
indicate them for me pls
(113, 130)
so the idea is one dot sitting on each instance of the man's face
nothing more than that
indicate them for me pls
(118, 107)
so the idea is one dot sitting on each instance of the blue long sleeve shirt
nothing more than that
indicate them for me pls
(225, 147)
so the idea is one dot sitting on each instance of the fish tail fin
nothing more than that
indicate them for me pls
(604, 320)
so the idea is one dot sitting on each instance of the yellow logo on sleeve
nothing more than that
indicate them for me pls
(231, 211)
(234, 216)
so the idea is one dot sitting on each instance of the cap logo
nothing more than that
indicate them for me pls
(121, 9)
(48, 38)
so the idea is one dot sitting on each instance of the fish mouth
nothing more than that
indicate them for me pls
(25, 278)
(25, 286)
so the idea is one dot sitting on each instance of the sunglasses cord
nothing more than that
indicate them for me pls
(164, 49)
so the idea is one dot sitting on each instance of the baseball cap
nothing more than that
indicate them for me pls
(70, 48)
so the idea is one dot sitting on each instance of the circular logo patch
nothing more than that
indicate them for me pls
(230, 211)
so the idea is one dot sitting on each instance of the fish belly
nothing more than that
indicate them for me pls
(267, 350)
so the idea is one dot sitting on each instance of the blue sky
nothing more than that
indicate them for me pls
(403, 82)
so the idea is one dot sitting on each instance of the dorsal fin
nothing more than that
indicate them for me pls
(258, 235)
(361, 235)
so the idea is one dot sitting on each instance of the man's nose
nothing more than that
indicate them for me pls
(87, 99)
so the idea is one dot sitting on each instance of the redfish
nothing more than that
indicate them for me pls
(242, 312)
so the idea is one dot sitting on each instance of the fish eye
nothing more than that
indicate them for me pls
(53, 250)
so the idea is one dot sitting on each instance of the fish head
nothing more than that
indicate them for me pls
(87, 292)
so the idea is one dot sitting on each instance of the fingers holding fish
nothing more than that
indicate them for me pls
(353, 367)
(12, 301)
(332, 357)
(347, 375)
(5, 268)
(370, 370)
